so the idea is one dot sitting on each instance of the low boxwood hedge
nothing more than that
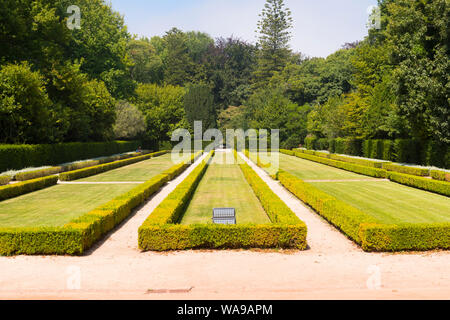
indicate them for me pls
(415, 171)
(20, 188)
(91, 171)
(372, 235)
(160, 232)
(29, 175)
(81, 233)
(440, 175)
(368, 171)
(408, 237)
(440, 187)
(4, 180)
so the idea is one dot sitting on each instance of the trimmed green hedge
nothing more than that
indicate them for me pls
(20, 188)
(4, 180)
(373, 172)
(91, 171)
(338, 213)
(417, 237)
(441, 187)
(372, 235)
(29, 175)
(81, 233)
(16, 157)
(440, 175)
(337, 157)
(415, 171)
(161, 233)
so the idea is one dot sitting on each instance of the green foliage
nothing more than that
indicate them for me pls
(90, 171)
(25, 156)
(199, 106)
(24, 106)
(4, 180)
(412, 237)
(440, 175)
(29, 175)
(17, 189)
(147, 64)
(415, 171)
(368, 171)
(163, 107)
(274, 37)
(440, 187)
(130, 122)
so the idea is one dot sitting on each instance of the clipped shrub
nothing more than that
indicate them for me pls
(358, 161)
(417, 237)
(406, 151)
(90, 171)
(16, 157)
(368, 171)
(20, 188)
(4, 180)
(440, 187)
(440, 175)
(24, 176)
(415, 171)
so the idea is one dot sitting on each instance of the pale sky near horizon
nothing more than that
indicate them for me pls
(320, 26)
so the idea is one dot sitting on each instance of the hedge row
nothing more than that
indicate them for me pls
(91, 171)
(16, 157)
(28, 175)
(337, 157)
(80, 234)
(440, 187)
(415, 171)
(373, 172)
(417, 237)
(177, 169)
(440, 175)
(161, 233)
(4, 180)
(20, 188)
(372, 235)
(428, 153)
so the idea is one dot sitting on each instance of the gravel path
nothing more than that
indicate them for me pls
(333, 268)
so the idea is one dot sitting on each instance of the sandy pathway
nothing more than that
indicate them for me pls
(333, 268)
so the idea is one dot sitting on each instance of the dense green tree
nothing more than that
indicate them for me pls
(25, 115)
(130, 123)
(163, 107)
(147, 65)
(199, 106)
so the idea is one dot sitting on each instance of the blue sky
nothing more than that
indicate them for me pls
(320, 26)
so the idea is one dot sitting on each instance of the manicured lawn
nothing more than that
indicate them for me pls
(224, 185)
(58, 205)
(309, 170)
(141, 171)
(390, 202)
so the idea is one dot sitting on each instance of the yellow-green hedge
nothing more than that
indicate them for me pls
(440, 175)
(368, 171)
(91, 171)
(81, 233)
(364, 229)
(20, 188)
(4, 180)
(161, 233)
(440, 187)
(421, 172)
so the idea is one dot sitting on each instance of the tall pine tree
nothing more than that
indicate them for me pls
(274, 36)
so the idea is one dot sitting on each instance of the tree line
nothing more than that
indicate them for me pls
(99, 82)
